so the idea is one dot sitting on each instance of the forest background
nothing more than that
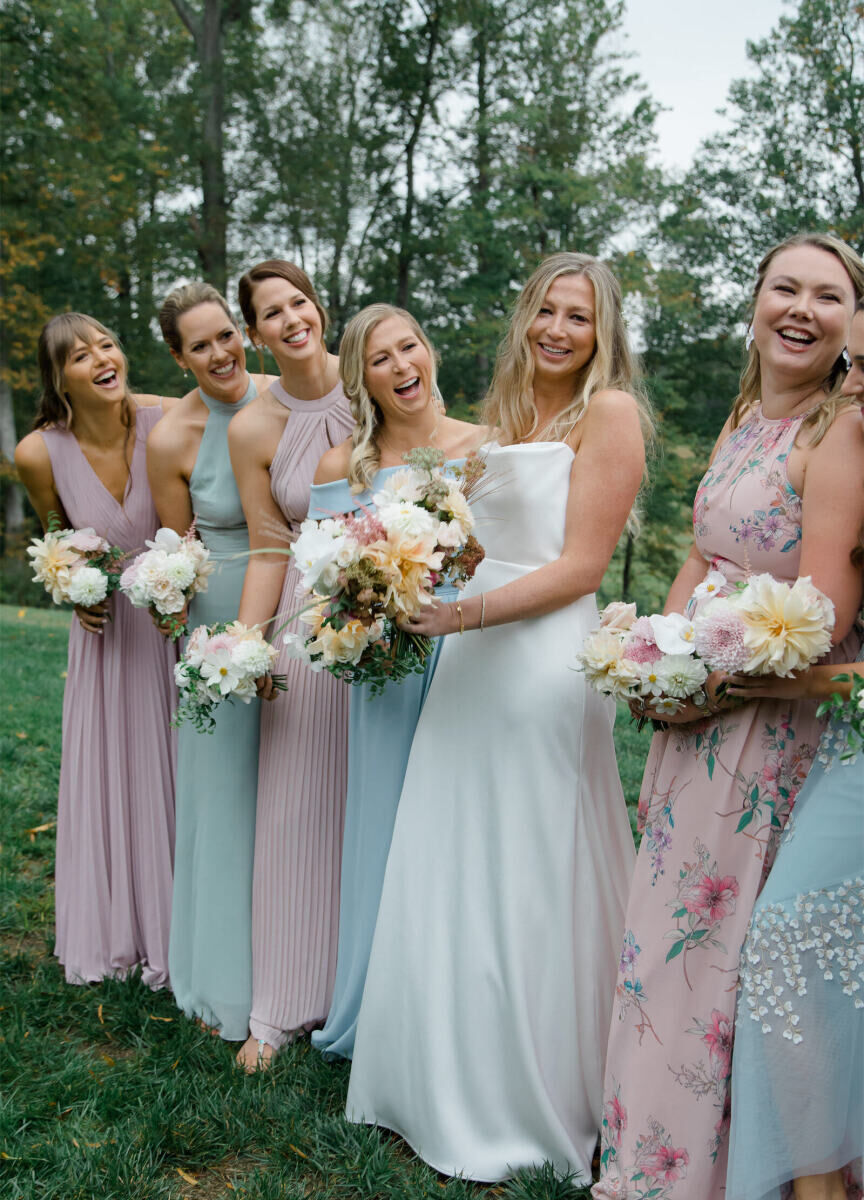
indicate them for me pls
(425, 152)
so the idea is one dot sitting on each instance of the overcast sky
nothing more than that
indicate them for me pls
(688, 52)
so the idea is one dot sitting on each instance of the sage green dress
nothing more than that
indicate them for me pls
(210, 951)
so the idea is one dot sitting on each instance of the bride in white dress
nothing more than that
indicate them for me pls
(486, 1009)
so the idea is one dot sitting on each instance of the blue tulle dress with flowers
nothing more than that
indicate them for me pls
(380, 732)
(798, 1070)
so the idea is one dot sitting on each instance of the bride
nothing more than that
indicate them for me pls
(486, 1008)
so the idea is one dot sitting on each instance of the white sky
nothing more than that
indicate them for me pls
(688, 52)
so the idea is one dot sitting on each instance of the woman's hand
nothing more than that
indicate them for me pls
(435, 620)
(168, 623)
(717, 701)
(266, 688)
(92, 619)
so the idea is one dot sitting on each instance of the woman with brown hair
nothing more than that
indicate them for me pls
(276, 443)
(85, 461)
(217, 774)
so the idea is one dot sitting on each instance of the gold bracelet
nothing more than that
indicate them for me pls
(461, 618)
(482, 609)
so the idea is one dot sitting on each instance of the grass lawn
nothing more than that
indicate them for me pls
(106, 1090)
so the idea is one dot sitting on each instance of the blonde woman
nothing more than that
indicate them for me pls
(388, 370)
(782, 495)
(492, 971)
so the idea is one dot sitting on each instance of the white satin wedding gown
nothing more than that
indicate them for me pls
(485, 1015)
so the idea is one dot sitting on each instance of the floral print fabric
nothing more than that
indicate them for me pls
(715, 796)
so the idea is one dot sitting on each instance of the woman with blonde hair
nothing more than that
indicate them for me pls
(492, 970)
(85, 461)
(217, 774)
(388, 370)
(276, 443)
(782, 495)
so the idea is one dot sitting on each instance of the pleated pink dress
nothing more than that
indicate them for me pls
(115, 810)
(302, 778)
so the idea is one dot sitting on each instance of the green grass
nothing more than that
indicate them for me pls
(106, 1091)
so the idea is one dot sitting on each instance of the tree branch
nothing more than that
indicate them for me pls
(187, 16)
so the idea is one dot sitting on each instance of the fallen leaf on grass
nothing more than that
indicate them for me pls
(99, 1015)
(22, 613)
(185, 1175)
(38, 828)
(152, 1018)
(64, 674)
(108, 1059)
(8, 1157)
(296, 1151)
(21, 736)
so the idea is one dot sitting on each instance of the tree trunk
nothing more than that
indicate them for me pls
(13, 508)
(628, 564)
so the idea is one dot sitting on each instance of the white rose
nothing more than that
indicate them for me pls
(618, 615)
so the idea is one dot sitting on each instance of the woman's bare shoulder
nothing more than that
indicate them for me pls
(31, 453)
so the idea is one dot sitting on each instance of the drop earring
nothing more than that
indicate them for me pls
(847, 361)
(748, 337)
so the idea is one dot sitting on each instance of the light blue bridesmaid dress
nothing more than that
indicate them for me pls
(380, 732)
(210, 951)
(798, 1062)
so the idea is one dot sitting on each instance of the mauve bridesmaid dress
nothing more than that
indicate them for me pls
(115, 810)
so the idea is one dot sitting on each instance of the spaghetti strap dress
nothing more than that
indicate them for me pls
(380, 732)
(301, 777)
(715, 796)
(217, 775)
(115, 809)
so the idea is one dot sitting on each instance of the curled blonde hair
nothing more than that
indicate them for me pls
(365, 452)
(509, 404)
(820, 420)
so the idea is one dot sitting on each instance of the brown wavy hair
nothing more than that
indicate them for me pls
(182, 300)
(56, 340)
(276, 268)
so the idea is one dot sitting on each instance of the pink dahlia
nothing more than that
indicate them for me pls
(712, 898)
(720, 638)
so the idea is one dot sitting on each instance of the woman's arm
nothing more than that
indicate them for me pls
(604, 482)
(166, 452)
(334, 463)
(248, 442)
(33, 463)
(816, 683)
(832, 515)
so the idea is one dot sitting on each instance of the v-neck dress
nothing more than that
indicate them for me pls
(115, 809)
(217, 775)
(302, 777)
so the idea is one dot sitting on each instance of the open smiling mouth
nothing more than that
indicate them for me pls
(555, 351)
(297, 339)
(224, 372)
(410, 389)
(107, 379)
(795, 337)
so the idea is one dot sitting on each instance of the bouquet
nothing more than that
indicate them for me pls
(76, 566)
(166, 576)
(649, 658)
(220, 662)
(359, 573)
(764, 627)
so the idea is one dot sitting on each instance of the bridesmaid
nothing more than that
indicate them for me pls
(782, 495)
(85, 461)
(217, 773)
(798, 1070)
(276, 444)
(388, 370)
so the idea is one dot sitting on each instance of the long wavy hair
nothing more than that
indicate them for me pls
(368, 418)
(820, 420)
(181, 301)
(509, 404)
(56, 340)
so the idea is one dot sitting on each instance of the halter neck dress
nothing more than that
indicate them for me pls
(715, 797)
(217, 774)
(301, 776)
(115, 809)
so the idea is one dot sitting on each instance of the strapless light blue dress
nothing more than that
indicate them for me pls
(380, 732)
(210, 951)
(798, 1064)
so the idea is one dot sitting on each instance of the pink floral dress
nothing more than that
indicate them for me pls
(715, 796)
